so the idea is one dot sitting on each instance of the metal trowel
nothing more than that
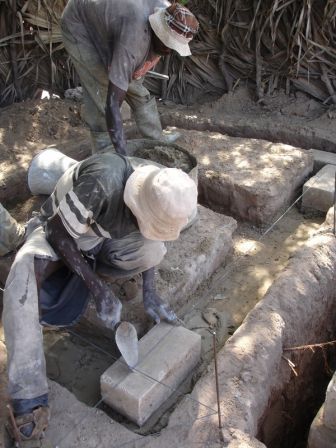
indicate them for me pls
(127, 342)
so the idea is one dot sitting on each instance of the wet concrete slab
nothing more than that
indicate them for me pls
(74, 424)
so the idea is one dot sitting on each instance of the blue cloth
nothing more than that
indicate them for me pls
(63, 298)
(26, 406)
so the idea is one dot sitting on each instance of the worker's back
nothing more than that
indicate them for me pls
(106, 23)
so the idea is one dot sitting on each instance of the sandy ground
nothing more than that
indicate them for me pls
(28, 127)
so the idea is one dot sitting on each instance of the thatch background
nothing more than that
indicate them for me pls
(274, 44)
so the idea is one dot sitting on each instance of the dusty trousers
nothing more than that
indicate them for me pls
(94, 80)
(11, 233)
(22, 321)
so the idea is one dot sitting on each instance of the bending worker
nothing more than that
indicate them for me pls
(103, 217)
(113, 44)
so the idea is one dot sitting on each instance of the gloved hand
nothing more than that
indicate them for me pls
(156, 308)
(108, 306)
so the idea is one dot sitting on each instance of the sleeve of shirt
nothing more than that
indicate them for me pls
(82, 205)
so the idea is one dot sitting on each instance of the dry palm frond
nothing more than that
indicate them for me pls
(271, 42)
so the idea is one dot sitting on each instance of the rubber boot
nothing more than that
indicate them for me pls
(101, 142)
(148, 122)
(11, 232)
(147, 118)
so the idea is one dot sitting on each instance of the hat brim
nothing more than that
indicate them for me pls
(170, 38)
(136, 202)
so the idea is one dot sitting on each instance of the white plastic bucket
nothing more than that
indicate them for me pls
(45, 170)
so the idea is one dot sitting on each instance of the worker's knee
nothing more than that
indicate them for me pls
(152, 253)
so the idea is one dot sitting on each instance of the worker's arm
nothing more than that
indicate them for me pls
(155, 307)
(115, 97)
(108, 306)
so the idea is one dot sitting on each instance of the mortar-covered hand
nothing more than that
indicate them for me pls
(108, 306)
(156, 308)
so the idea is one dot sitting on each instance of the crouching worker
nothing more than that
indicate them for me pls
(103, 217)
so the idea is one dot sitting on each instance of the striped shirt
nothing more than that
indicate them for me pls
(89, 200)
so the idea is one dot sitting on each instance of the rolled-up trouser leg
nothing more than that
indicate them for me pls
(128, 256)
(11, 232)
(144, 109)
(94, 81)
(23, 332)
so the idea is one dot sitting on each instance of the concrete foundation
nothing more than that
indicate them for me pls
(249, 179)
(319, 190)
(166, 355)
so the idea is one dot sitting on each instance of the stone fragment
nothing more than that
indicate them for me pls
(167, 354)
(318, 191)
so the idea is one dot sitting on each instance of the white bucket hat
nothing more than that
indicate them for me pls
(162, 200)
(175, 26)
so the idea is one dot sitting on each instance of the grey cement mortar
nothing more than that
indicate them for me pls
(74, 424)
(249, 179)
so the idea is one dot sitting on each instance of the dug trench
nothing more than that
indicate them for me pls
(290, 394)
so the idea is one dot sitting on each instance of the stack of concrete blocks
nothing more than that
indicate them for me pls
(323, 430)
(167, 354)
(319, 190)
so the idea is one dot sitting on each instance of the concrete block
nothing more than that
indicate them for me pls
(247, 178)
(318, 191)
(322, 158)
(167, 354)
(329, 414)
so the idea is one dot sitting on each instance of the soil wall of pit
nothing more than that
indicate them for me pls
(304, 297)
(268, 391)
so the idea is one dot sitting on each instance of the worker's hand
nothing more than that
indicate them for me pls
(156, 308)
(108, 305)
